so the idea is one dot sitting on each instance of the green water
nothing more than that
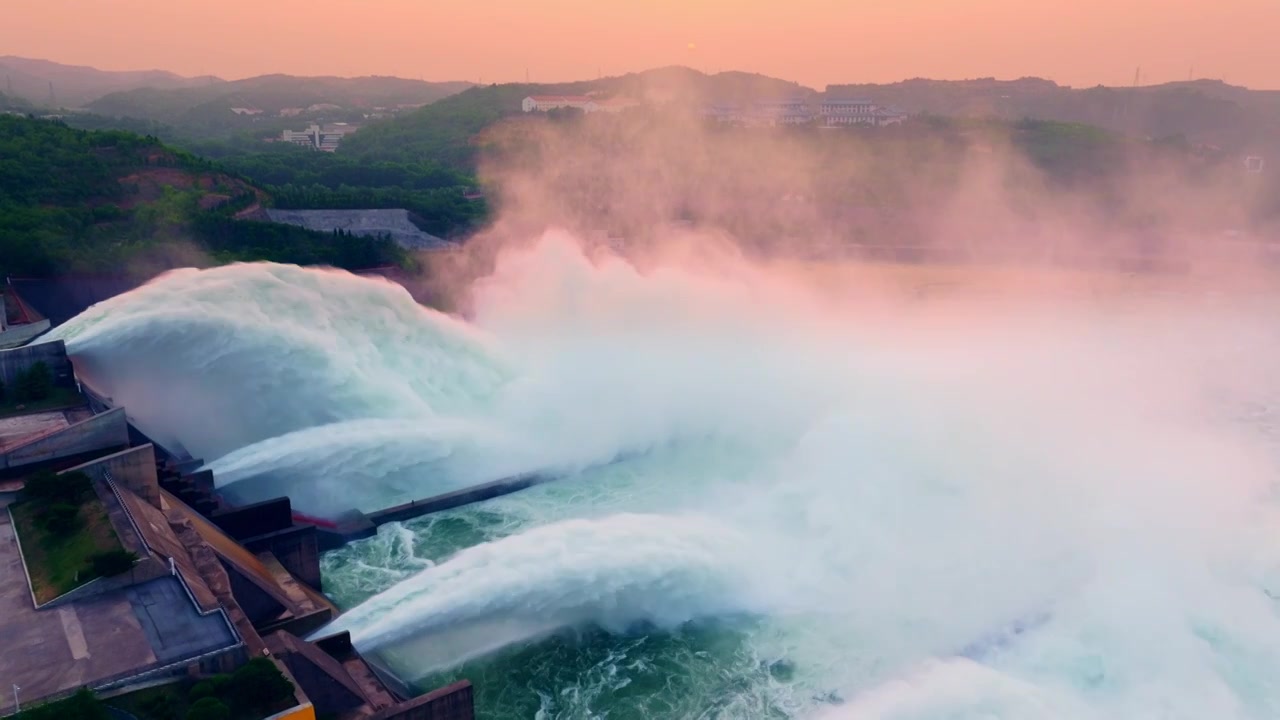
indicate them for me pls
(702, 669)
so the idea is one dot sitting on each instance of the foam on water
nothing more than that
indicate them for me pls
(773, 499)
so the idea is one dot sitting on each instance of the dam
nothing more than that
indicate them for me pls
(765, 503)
(187, 480)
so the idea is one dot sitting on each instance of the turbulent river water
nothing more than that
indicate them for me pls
(776, 497)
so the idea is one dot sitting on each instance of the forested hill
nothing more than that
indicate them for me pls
(106, 201)
(442, 132)
(269, 103)
(1236, 119)
(74, 85)
(1203, 111)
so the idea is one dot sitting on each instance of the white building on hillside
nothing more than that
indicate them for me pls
(316, 137)
(544, 103)
(793, 111)
(723, 113)
(838, 113)
(611, 105)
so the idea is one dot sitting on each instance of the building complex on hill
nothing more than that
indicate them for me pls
(325, 138)
(828, 112)
(585, 103)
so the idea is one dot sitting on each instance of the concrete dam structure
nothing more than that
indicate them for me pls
(395, 223)
(209, 587)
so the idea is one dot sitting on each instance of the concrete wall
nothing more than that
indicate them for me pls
(53, 353)
(458, 498)
(18, 335)
(260, 518)
(297, 549)
(194, 489)
(320, 681)
(259, 606)
(100, 432)
(134, 469)
(453, 702)
(369, 223)
(147, 569)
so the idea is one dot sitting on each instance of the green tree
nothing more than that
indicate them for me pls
(47, 486)
(160, 707)
(81, 706)
(60, 519)
(35, 383)
(112, 562)
(208, 709)
(213, 687)
(258, 684)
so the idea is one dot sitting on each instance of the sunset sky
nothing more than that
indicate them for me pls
(1083, 42)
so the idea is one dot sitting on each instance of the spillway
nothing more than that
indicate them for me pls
(778, 497)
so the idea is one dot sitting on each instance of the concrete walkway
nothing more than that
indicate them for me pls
(62, 648)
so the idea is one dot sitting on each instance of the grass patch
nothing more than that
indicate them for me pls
(58, 399)
(55, 564)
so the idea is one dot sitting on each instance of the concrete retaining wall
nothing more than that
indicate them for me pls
(18, 335)
(260, 518)
(452, 702)
(100, 432)
(147, 569)
(368, 223)
(297, 550)
(448, 501)
(134, 469)
(54, 354)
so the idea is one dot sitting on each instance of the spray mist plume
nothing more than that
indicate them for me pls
(863, 491)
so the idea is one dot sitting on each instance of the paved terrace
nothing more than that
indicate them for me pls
(92, 640)
(18, 429)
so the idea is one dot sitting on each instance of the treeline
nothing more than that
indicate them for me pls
(64, 208)
(300, 179)
(300, 166)
(44, 162)
(442, 132)
(229, 240)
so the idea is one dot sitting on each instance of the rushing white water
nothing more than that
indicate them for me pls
(774, 497)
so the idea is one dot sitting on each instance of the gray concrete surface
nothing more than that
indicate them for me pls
(172, 626)
(63, 648)
(52, 353)
(19, 335)
(134, 468)
(367, 223)
(99, 432)
(46, 652)
(16, 430)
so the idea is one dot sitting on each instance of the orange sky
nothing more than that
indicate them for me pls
(1076, 42)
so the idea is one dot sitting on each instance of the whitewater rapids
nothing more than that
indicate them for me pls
(776, 497)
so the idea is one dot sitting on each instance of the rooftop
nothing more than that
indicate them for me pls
(97, 638)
